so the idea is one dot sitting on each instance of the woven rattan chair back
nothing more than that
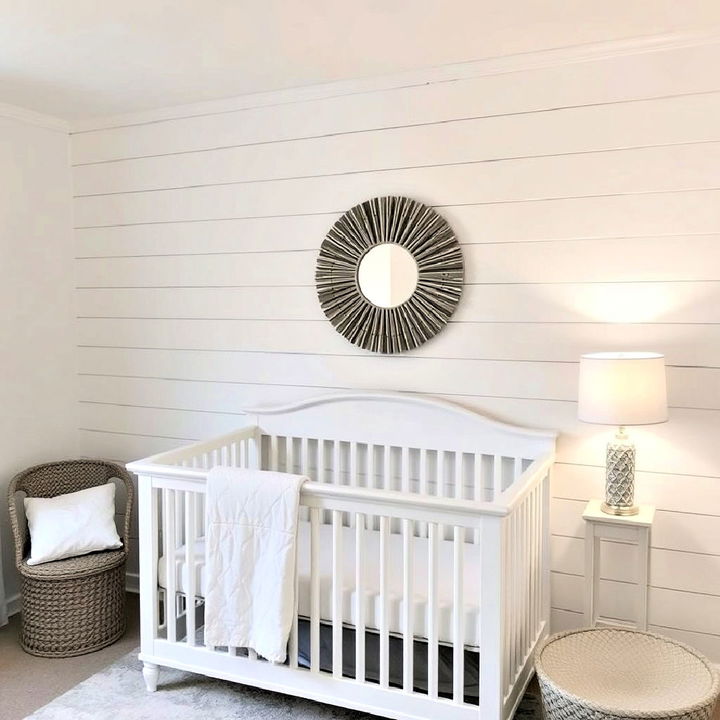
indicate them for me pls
(58, 478)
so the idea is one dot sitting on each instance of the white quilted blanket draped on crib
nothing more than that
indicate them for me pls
(250, 556)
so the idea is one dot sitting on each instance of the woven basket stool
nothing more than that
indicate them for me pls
(617, 674)
(74, 606)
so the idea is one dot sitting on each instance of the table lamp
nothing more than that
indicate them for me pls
(622, 388)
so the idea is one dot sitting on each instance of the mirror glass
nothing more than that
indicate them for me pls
(387, 275)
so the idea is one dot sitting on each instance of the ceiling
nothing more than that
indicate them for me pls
(80, 58)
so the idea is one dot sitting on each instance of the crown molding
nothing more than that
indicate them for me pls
(444, 73)
(30, 117)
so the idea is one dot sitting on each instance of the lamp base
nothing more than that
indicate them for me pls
(619, 509)
(620, 477)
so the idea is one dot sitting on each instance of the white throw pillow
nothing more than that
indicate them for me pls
(73, 524)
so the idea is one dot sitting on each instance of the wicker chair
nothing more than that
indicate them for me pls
(74, 606)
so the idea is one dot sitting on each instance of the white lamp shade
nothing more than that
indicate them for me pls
(627, 388)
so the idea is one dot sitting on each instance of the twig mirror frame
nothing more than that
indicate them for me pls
(431, 241)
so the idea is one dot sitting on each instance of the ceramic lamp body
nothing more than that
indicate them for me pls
(620, 477)
(622, 389)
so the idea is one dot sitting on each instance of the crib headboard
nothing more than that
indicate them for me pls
(402, 420)
(381, 441)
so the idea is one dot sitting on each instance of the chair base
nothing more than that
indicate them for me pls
(76, 616)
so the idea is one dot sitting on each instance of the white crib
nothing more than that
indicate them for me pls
(423, 573)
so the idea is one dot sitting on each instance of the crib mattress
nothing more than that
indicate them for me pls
(471, 589)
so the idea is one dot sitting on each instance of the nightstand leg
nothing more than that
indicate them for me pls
(643, 564)
(591, 569)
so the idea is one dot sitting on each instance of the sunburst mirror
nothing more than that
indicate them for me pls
(389, 274)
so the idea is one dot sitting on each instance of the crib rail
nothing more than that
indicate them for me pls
(423, 545)
(507, 534)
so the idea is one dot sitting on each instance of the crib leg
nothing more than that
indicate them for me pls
(151, 673)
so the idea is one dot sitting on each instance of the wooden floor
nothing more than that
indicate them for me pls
(27, 682)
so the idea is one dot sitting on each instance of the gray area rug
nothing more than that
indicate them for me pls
(118, 693)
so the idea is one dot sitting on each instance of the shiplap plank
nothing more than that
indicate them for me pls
(191, 395)
(687, 213)
(666, 608)
(662, 121)
(690, 494)
(564, 620)
(641, 302)
(672, 530)
(616, 599)
(122, 447)
(707, 644)
(146, 421)
(691, 344)
(617, 259)
(213, 236)
(689, 387)
(251, 303)
(662, 169)
(669, 569)
(644, 75)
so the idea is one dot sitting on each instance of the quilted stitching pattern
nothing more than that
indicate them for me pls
(250, 559)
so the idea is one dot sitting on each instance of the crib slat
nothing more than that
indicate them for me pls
(353, 480)
(408, 605)
(305, 457)
(443, 459)
(505, 551)
(337, 478)
(360, 597)
(372, 467)
(539, 530)
(432, 610)
(497, 477)
(387, 466)
(517, 469)
(478, 494)
(179, 498)
(293, 640)
(458, 476)
(290, 455)
(273, 452)
(315, 589)
(422, 527)
(190, 537)
(527, 589)
(384, 637)
(337, 593)
(405, 470)
(170, 565)
(515, 590)
(458, 618)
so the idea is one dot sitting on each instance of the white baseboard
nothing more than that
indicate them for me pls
(13, 604)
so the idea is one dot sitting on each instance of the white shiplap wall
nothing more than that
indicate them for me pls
(587, 199)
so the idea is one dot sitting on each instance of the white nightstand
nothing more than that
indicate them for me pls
(627, 528)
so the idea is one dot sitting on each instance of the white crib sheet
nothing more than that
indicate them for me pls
(471, 588)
